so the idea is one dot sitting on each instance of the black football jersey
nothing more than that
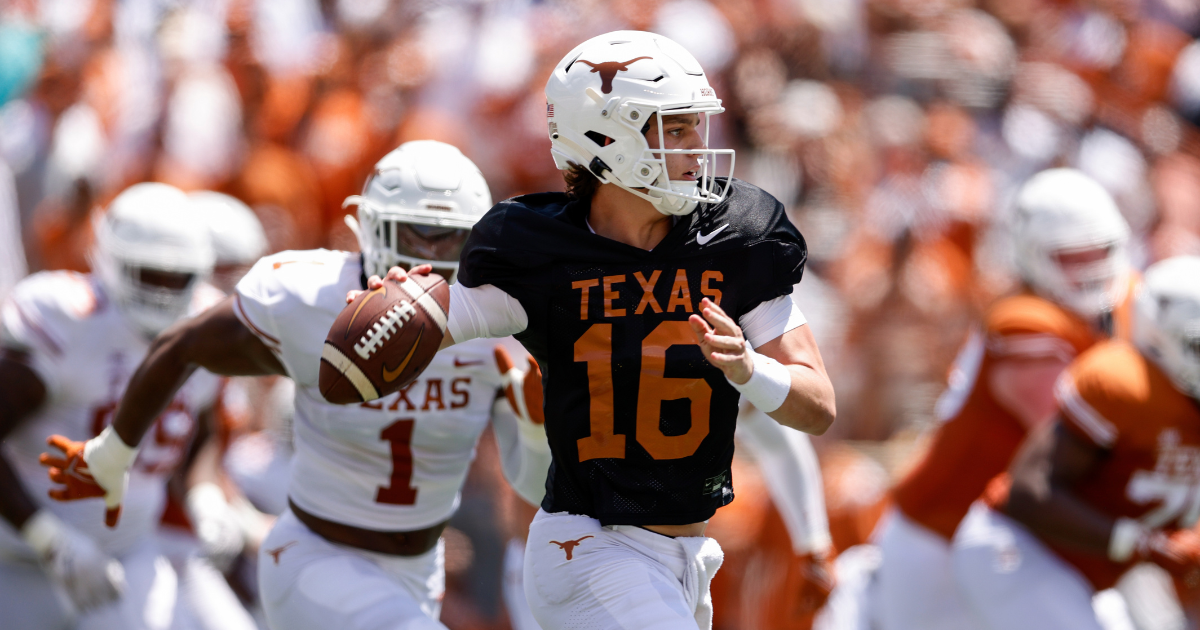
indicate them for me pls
(640, 424)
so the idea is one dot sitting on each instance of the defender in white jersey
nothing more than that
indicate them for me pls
(70, 343)
(373, 485)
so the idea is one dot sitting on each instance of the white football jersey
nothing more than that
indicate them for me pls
(85, 352)
(394, 464)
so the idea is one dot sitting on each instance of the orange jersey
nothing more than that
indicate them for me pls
(979, 436)
(1118, 400)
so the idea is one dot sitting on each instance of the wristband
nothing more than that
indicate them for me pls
(769, 383)
(109, 460)
(42, 530)
(1123, 541)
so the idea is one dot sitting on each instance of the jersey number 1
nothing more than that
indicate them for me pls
(399, 491)
(654, 388)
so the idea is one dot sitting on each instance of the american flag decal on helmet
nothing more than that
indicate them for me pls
(549, 110)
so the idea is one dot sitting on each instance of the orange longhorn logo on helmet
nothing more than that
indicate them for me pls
(609, 69)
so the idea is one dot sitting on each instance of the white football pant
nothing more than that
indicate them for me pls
(31, 601)
(1014, 581)
(309, 583)
(205, 600)
(915, 582)
(581, 576)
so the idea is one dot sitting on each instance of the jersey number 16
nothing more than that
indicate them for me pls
(595, 349)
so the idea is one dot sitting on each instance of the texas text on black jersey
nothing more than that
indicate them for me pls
(640, 424)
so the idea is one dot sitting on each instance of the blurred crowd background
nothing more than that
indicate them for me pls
(895, 131)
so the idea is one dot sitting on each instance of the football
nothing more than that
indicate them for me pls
(383, 339)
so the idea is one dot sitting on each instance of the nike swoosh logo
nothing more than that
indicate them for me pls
(460, 363)
(380, 291)
(390, 375)
(703, 239)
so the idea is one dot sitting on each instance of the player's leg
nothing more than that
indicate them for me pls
(148, 602)
(852, 604)
(916, 585)
(306, 582)
(29, 599)
(206, 598)
(581, 575)
(519, 615)
(1013, 580)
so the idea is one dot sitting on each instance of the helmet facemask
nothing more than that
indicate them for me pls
(418, 207)
(390, 237)
(599, 99)
(649, 176)
(1089, 287)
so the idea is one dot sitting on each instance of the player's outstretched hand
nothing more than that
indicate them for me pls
(395, 273)
(721, 340)
(523, 388)
(89, 577)
(1179, 554)
(98, 467)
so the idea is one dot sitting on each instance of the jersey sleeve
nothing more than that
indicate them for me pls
(492, 256)
(289, 300)
(39, 318)
(1101, 393)
(258, 292)
(772, 242)
(1028, 327)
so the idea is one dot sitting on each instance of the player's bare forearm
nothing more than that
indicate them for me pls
(21, 393)
(215, 340)
(810, 406)
(1043, 473)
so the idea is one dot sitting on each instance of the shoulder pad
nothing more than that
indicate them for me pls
(43, 309)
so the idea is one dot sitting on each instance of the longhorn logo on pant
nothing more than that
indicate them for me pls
(275, 553)
(570, 545)
(609, 69)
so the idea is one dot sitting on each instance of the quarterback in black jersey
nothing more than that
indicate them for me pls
(653, 294)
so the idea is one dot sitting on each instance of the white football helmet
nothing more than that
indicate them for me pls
(1061, 211)
(237, 235)
(1166, 320)
(602, 95)
(418, 207)
(150, 230)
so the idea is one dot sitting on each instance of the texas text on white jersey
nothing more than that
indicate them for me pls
(394, 464)
(85, 352)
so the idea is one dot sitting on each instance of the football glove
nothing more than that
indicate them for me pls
(96, 468)
(815, 573)
(89, 576)
(523, 388)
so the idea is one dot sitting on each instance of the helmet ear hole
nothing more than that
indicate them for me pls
(600, 139)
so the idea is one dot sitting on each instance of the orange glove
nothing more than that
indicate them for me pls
(1179, 554)
(98, 468)
(522, 388)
